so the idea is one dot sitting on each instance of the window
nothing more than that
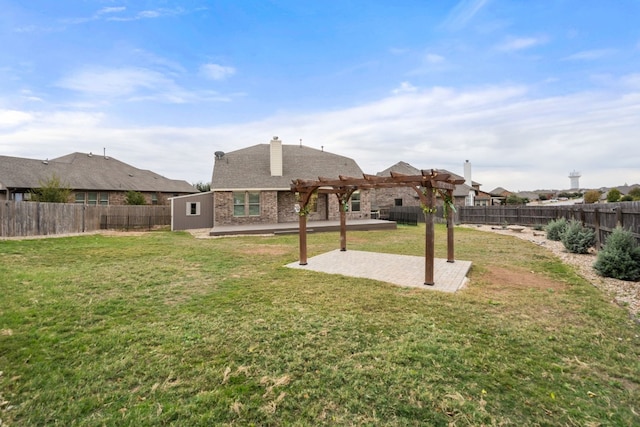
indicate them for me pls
(397, 202)
(193, 208)
(154, 199)
(92, 198)
(355, 202)
(246, 203)
(254, 203)
(104, 199)
(80, 198)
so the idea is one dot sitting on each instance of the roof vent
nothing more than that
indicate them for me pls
(90, 154)
(45, 162)
(219, 154)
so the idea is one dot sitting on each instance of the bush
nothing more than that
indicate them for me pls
(555, 229)
(591, 196)
(134, 198)
(626, 198)
(635, 193)
(620, 257)
(578, 239)
(613, 195)
(52, 190)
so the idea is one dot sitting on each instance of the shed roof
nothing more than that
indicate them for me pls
(81, 171)
(249, 168)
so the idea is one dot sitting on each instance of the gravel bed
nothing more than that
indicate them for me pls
(623, 293)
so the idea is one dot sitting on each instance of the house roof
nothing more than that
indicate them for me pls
(81, 171)
(499, 192)
(249, 168)
(400, 167)
(407, 169)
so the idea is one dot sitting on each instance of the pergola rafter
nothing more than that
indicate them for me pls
(424, 184)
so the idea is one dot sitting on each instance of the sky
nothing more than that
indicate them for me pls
(527, 91)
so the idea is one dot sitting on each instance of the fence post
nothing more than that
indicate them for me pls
(596, 220)
(618, 210)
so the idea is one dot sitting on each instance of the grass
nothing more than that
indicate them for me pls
(164, 329)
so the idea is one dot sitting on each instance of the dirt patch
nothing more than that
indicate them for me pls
(623, 293)
(507, 280)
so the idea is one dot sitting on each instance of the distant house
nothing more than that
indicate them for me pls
(253, 186)
(386, 198)
(93, 179)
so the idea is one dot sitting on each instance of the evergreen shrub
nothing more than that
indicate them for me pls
(620, 257)
(577, 238)
(555, 228)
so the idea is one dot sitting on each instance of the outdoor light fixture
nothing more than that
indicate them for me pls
(296, 208)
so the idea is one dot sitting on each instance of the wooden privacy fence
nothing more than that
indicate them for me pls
(603, 218)
(19, 219)
(412, 215)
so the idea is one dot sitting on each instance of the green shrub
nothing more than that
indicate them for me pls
(134, 198)
(620, 257)
(578, 239)
(538, 227)
(555, 229)
(613, 195)
(626, 198)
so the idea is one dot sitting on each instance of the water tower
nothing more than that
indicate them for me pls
(575, 178)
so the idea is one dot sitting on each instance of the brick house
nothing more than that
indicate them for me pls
(253, 185)
(93, 179)
(386, 198)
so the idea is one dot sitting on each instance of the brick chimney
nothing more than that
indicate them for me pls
(275, 155)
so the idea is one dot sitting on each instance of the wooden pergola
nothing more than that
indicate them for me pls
(425, 185)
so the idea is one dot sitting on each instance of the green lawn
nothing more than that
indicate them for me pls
(165, 329)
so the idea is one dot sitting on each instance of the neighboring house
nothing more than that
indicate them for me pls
(386, 198)
(253, 185)
(499, 195)
(93, 179)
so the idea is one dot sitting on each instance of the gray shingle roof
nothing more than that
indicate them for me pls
(249, 168)
(80, 171)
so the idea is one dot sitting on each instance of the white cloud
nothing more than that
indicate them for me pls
(589, 55)
(106, 10)
(512, 139)
(463, 13)
(405, 87)
(520, 43)
(114, 82)
(432, 58)
(216, 71)
(13, 118)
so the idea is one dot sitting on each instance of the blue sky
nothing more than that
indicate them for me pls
(527, 91)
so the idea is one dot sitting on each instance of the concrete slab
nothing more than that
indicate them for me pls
(401, 270)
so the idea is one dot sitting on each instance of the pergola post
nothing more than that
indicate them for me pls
(450, 225)
(343, 229)
(343, 198)
(302, 221)
(429, 240)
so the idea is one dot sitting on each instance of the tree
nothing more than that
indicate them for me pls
(635, 193)
(203, 186)
(52, 190)
(513, 199)
(591, 196)
(613, 195)
(134, 198)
